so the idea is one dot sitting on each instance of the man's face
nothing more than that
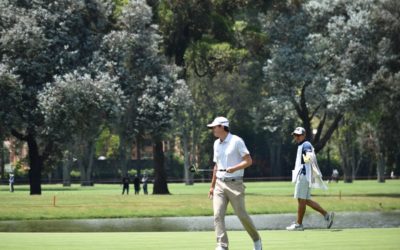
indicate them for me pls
(218, 130)
(299, 138)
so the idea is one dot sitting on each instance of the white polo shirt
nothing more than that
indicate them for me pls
(229, 153)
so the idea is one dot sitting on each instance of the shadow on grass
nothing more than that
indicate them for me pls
(55, 189)
(325, 230)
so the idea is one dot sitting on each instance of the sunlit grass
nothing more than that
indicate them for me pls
(106, 201)
(349, 239)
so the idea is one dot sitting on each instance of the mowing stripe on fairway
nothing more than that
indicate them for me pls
(349, 239)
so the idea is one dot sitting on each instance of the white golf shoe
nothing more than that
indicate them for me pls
(220, 248)
(295, 227)
(257, 245)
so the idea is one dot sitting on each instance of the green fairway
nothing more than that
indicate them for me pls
(106, 201)
(350, 239)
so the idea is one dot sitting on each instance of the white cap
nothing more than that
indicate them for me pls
(299, 131)
(219, 121)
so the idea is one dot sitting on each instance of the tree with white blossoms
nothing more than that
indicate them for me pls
(365, 32)
(183, 103)
(75, 106)
(317, 66)
(39, 40)
(10, 91)
(327, 58)
(131, 53)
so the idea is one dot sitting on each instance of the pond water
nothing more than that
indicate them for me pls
(205, 223)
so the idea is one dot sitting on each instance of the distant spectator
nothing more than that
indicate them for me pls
(125, 185)
(392, 176)
(136, 184)
(145, 180)
(11, 180)
(335, 175)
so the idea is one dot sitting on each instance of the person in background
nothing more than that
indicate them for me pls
(306, 174)
(335, 175)
(145, 180)
(125, 185)
(136, 184)
(11, 181)
(392, 175)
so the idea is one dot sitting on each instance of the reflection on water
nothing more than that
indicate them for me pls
(272, 221)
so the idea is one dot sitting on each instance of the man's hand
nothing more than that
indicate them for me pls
(246, 162)
(211, 193)
(231, 170)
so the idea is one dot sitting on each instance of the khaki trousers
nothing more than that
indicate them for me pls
(233, 192)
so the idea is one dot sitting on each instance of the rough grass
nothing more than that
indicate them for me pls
(349, 239)
(106, 201)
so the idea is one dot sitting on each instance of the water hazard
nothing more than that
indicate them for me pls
(201, 223)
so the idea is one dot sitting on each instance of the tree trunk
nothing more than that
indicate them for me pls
(160, 178)
(36, 165)
(346, 164)
(186, 155)
(67, 170)
(304, 114)
(138, 154)
(86, 164)
(122, 155)
(275, 158)
(2, 159)
(380, 171)
(138, 147)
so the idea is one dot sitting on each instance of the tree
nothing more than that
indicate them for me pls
(132, 54)
(213, 42)
(385, 86)
(183, 102)
(38, 40)
(75, 107)
(11, 94)
(380, 69)
(322, 62)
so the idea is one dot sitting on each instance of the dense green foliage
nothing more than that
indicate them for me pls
(82, 77)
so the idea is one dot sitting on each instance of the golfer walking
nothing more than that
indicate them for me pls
(306, 174)
(231, 157)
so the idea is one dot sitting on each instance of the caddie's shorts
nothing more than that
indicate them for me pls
(302, 189)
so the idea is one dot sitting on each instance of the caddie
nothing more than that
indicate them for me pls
(306, 175)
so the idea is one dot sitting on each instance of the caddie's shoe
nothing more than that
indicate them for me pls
(329, 219)
(257, 245)
(295, 227)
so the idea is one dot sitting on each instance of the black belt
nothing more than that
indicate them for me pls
(227, 179)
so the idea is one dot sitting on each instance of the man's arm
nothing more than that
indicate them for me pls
(213, 181)
(245, 163)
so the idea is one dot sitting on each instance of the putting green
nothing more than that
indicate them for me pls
(349, 239)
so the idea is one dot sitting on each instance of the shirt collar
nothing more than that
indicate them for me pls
(301, 142)
(227, 138)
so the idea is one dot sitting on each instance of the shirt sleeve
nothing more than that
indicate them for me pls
(215, 154)
(307, 147)
(241, 147)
